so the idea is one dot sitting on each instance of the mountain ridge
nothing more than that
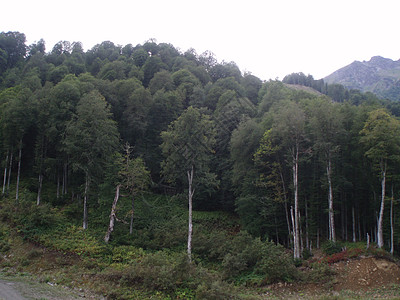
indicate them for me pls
(379, 75)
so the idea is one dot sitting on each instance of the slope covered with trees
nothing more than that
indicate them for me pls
(78, 129)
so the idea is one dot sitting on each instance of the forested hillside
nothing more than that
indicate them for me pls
(296, 166)
(379, 75)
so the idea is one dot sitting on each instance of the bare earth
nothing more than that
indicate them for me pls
(362, 278)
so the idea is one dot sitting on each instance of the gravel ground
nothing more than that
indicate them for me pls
(22, 288)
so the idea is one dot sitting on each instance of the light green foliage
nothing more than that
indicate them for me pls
(127, 254)
(381, 136)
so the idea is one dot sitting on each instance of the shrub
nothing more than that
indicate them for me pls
(127, 254)
(330, 247)
(264, 260)
(320, 272)
(345, 254)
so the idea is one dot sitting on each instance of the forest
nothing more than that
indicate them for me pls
(192, 155)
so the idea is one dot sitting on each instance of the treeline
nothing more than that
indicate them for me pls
(297, 166)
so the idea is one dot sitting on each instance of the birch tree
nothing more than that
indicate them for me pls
(16, 119)
(381, 138)
(91, 139)
(325, 128)
(288, 126)
(187, 148)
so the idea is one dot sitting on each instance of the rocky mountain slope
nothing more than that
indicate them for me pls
(379, 75)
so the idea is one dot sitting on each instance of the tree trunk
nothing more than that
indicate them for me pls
(296, 239)
(9, 172)
(307, 236)
(112, 215)
(190, 231)
(288, 224)
(19, 170)
(391, 225)
(286, 209)
(132, 215)
(65, 179)
(5, 175)
(39, 189)
(85, 199)
(332, 233)
(380, 219)
(58, 184)
(354, 224)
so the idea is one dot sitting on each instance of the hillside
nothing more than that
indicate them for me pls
(379, 75)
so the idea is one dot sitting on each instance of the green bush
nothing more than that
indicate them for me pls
(127, 254)
(33, 219)
(171, 274)
(319, 272)
(4, 246)
(330, 247)
(264, 260)
(210, 246)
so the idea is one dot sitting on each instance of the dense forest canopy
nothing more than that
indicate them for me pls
(297, 160)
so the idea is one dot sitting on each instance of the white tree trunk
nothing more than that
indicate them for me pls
(39, 195)
(354, 224)
(65, 179)
(5, 175)
(307, 236)
(296, 238)
(286, 209)
(391, 225)
(58, 184)
(19, 171)
(9, 172)
(112, 215)
(380, 219)
(132, 215)
(85, 198)
(332, 233)
(190, 231)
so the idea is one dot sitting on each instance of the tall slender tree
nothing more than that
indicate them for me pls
(288, 125)
(187, 147)
(326, 128)
(381, 138)
(91, 139)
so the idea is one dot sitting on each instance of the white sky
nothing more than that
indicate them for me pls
(270, 39)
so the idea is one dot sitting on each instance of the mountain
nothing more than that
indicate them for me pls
(379, 75)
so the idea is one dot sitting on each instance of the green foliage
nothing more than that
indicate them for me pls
(330, 247)
(34, 220)
(127, 254)
(320, 272)
(4, 240)
(72, 239)
(265, 259)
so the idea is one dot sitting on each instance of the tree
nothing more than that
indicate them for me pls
(288, 126)
(132, 177)
(326, 127)
(381, 138)
(16, 121)
(91, 139)
(12, 49)
(187, 147)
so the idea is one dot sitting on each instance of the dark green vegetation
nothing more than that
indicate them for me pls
(270, 170)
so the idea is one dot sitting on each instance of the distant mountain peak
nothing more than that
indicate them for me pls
(379, 75)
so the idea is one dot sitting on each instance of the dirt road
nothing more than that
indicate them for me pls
(9, 292)
(21, 288)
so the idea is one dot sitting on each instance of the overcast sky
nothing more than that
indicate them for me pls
(270, 39)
